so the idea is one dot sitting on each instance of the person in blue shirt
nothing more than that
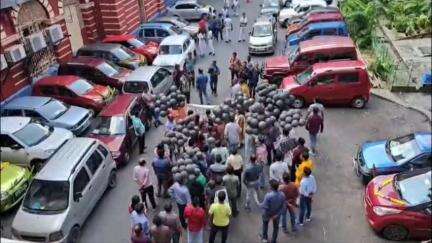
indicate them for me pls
(202, 81)
(162, 168)
(273, 206)
(139, 129)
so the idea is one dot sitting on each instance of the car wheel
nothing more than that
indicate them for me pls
(74, 234)
(112, 180)
(358, 102)
(298, 103)
(395, 232)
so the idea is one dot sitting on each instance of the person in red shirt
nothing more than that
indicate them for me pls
(314, 125)
(196, 219)
(202, 25)
(290, 190)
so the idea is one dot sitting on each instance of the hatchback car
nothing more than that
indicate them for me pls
(313, 10)
(399, 206)
(335, 28)
(189, 9)
(114, 126)
(180, 23)
(26, 142)
(156, 32)
(50, 111)
(64, 192)
(314, 18)
(334, 82)
(149, 49)
(298, 8)
(115, 53)
(155, 79)
(97, 70)
(74, 90)
(174, 50)
(393, 155)
(14, 182)
(263, 37)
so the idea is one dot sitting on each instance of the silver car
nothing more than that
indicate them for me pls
(263, 37)
(189, 9)
(64, 192)
(26, 142)
(155, 79)
(180, 23)
(270, 7)
(51, 112)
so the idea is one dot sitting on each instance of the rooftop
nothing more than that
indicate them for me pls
(323, 67)
(174, 40)
(142, 73)
(119, 106)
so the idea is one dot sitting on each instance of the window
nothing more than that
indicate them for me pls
(186, 6)
(425, 161)
(48, 91)
(135, 87)
(13, 113)
(157, 78)
(162, 33)
(80, 86)
(325, 80)
(81, 181)
(321, 57)
(348, 78)
(30, 113)
(66, 92)
(345, 55)
(312, 33)
(103, 150)
(330, 32)
(149, 33)
(94, 161)
(7, 142)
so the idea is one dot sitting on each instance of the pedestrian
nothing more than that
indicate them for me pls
(176, 75)
(201, 44)
(217, 169)
(235, 7)
(273, 205)
(185, 87)
(228, 26)
(170, 124)
(244, 87)
(180, 194)
(243, 27)
(227, 3)
(307, 190)
(138, 236)
(306, 162)
(214, 73)
(231, 183)
(220, 26)
(221, 150)
(219, 130)
(139, 130)
(220, 213)
(285, 144)
(261, 156)
(134, 201)
(189, 66)
(253, 79)
(210, 37)
(235, 160)
(141, 175)
(138, 217)
(159, 232)
(232, 134)
(196, 220)
(202, 81)
(196, 189)
(289, 189)
(314, 125)
(171, 219)
(272, 135)
(278, 167)
(212, 23)
(236, 88)
(251, 180)
(162, 168)
(317, 105)
(296, 156)
(203, 25)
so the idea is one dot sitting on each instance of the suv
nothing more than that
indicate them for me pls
(298, 8)
(64, 192)
(338, 28)
(335, 82)
(50, 112)
(174, 50)
(156, 31)
(26, 142)
(115, 53)
(155, 79)
(318, 49)
(149, 50)
(95, 69)
(314, 18)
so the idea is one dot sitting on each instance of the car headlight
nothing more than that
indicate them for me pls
(381, 211)
(58, 235)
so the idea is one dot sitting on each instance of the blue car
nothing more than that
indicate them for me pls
(393, 155)
(338, 28)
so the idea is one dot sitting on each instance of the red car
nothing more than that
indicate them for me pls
(149, 50)
(335, 82)
(399, 206)
(74, 90)
(114, 126)
(315, 18)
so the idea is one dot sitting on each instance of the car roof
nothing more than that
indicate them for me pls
(323, 25)
(310, 2)
(174, 40)
(324, 15)
(85, 61)
(323, 67)
(11, 124)
(164, 18)
(155, 24)
(117, 38)
(142, 73)
(60, 80)
(119, 106)
(100, 47)
(27, 102)
(186, 1)
(424, 141)
(62, 164)
(326, 42)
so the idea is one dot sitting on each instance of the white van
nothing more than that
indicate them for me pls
(155, 79)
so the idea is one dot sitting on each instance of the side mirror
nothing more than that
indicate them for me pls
(15, 147)
(77, 196)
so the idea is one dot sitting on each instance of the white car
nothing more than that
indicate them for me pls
(190, 9)
(155, 79)
(174, 50)
(263, 37)
(297, 8)
(25, 142)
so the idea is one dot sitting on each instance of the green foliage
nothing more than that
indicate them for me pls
(408, 16)
(383, 66)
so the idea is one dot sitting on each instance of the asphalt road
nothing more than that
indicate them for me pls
(338, 214)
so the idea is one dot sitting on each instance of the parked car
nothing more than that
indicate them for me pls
(156, 32)
(313, 10)
(393, 155)
(399, 206)
(155, 79)
(189, 9)
(309, 52)
(334, 82)
(180, 23)
(26, 142)
(270, 7)
(314, 18)
(338, 28)
(51, 112)
(96, 70)
(114, 126)
(174, 50)
(149, 50)
(64, 192)
(115, 53)
(74, 90)
(298, 8)
(14, 182)
(263, 37)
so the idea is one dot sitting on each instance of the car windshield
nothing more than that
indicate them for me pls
(135, 42)
(415, 190)
(270, 4)
(304, 77)
(81, 87)
(53, 109)
(47, 196)
(123, 54)
(261, 30)
(170, 50)
(110, 125)
(107, 69)
(403, 149)
(135, 87)
(32, 134)
(293, 53)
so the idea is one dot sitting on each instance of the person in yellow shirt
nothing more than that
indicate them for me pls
(244, 87)
(220, 213)
(306, 162)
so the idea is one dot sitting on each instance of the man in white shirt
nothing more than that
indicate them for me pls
(278, 167)
(232, 134)
(307, 189)
(243, 26)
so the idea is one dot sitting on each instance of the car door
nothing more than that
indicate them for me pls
(156, 81)
(348, 87)
(166, 82)
(322, 88)
(12, 151)
(98, 173)
(131, 131)
(419, 218)
(82, 195)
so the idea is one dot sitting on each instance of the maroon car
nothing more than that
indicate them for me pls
(114, 126)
